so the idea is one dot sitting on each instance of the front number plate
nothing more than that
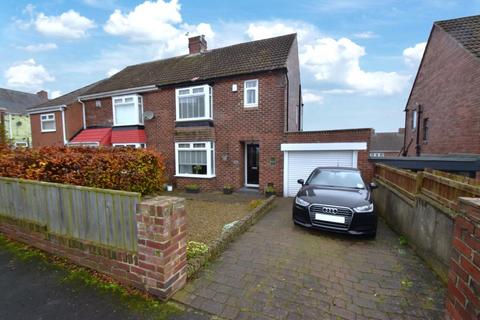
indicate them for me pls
(329, 218)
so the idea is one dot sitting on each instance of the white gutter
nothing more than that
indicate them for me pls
(119, 92)
(84, 117)
(47, 109)
(323, 146)
(63, 127)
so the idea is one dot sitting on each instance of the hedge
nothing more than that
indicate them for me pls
(128, 169)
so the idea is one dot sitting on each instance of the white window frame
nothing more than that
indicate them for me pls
(42, 120)
(207, 92)
(209, 148)
(138, 105)
(414, 119)
(136, 145)
(250, 105)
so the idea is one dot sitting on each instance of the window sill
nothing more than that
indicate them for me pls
(197, 176)
(251, 106)
(192, 119)
(47, 131)
(128, 125)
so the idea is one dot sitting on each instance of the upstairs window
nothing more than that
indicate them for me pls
(414, 119)
(194, 103)
(195, 159)
(47, 122)
(127, 110)
(250, 93)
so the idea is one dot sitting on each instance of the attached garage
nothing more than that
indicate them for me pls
(301, 158)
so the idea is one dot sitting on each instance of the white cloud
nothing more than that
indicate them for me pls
(69, 25)
(156, 22)
(112, 71)
(39, 47)
(311, 97)
(332, 61)
(413, 55)
(27, 74)
(55, 94)
(365, 35)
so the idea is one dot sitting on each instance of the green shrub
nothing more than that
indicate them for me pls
(254, 203)
(195, 248)
(128, 169)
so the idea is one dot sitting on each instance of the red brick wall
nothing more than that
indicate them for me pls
(463, 295)
(158, 266)
(447, 88)
(40, 138)
(73, 119)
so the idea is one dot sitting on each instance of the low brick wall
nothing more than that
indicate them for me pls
(463, 297)
(157, 267)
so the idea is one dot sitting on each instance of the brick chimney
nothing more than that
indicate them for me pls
(43, 94)
(197, 44)
(401, 130)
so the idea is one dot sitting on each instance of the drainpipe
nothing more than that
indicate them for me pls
(65, 141)
(10, 125)
(83, 114)
(404, 150)
(288, 97)
(419, 116)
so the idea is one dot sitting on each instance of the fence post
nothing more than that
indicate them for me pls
(162, 244)
(419, 182)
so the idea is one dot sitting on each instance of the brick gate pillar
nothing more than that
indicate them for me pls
(162, 244)
(463, 293)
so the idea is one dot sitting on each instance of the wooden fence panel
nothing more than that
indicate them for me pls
(102, 216)
(404, 180)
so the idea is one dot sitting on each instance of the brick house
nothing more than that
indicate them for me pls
(16, 122)
(442, 115)
(386, 144)
(57, 121)
(230, 115)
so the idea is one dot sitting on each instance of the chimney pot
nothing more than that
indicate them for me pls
(43, 94)
(197, 44)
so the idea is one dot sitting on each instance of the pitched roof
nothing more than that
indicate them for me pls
(66, 99)
(17, 101)
(465, 30)
(248, 57)
(386, 141)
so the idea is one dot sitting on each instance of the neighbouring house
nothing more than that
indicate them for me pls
(57, 121)
(230, 115)
(442, 114)
(386, 144)
(16, 122)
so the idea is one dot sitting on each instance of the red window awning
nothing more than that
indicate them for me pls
(129, 136)
(100, 136)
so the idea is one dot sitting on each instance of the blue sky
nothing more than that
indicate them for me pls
(358, 57)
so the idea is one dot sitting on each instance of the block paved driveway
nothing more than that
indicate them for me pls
(280, 271)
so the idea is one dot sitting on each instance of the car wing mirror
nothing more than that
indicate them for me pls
(301, 181)
(373, 186)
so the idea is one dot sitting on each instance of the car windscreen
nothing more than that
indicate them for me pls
(337, 178)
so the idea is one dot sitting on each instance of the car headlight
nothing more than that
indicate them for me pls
(301, 202)
(367, 208)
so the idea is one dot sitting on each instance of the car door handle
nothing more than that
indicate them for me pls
(254, 168)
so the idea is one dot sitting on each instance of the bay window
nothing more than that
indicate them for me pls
(127, 110)
(194, 103)
(195, 159)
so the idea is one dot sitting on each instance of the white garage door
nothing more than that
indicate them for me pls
(299, 165)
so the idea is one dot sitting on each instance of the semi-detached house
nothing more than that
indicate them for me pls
(230, 115)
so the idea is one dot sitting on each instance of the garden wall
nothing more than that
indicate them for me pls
(141, 244)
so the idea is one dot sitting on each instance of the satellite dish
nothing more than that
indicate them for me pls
(148, 115)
